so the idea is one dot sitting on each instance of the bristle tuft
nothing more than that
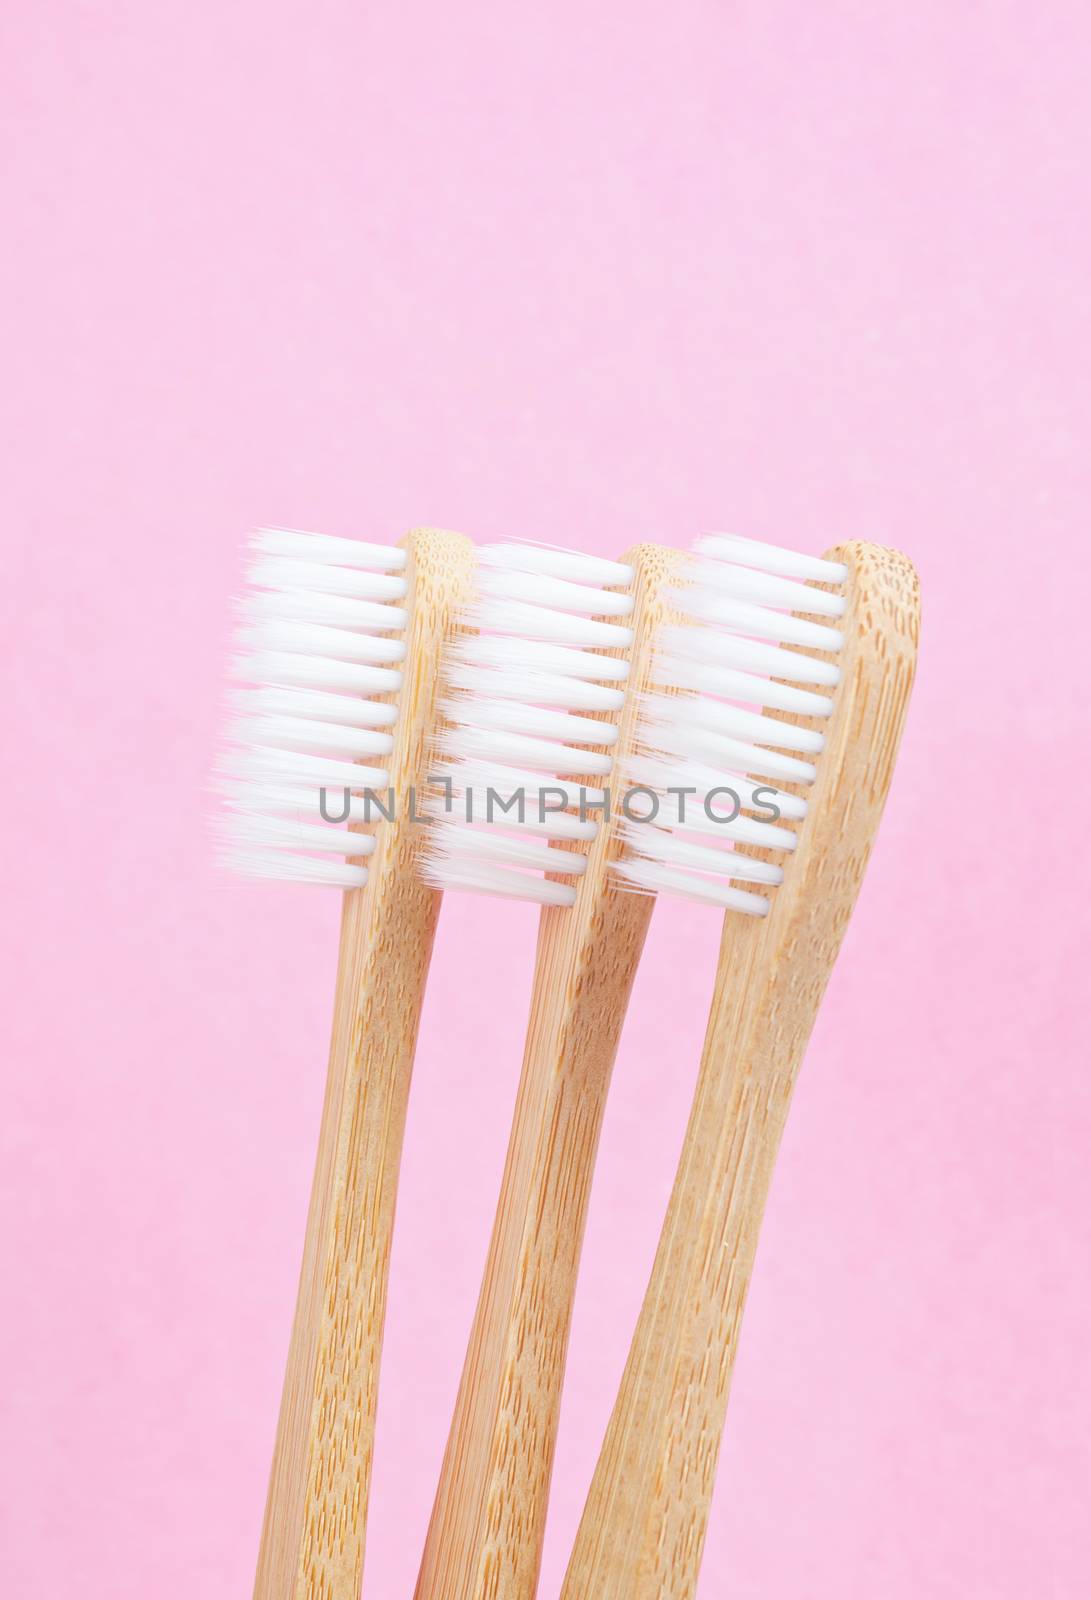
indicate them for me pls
(713, 748)
(527, 695)
(321, 643)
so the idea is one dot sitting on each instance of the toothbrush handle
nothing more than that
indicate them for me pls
(643, 1527)
(485, 1537)
(313, 1534)
(488, 1520)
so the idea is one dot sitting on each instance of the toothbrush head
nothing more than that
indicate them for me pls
(322, 639)
(718, 774)
(532, 700)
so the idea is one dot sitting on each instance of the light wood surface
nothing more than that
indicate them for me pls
(312, 1545)
(485, 1537)
(643, 1526)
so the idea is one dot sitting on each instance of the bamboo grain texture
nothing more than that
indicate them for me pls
(643, 1527)
(312, 1545)
(485, 1537)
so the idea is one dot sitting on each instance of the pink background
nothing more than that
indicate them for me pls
(587, 274)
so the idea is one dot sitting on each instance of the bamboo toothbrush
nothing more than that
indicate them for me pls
(536, 703)
(643, 1526)
(344, 641)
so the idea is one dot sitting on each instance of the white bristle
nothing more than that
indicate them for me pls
(312, 577)
(758, 622)
(708, 647)
(315, 672)
(719, 806)
(657, 878)
(764, 589)
(349, 710)
(493, 614)
(487, 788)
(324, 609)
(555, 593)
(659, 773)
(770, 558)
(294, 733)
(244, 829)
(706, 746)
(271, 799)
(553, 660)
(675, 850)
(321, 642)
(719, 716)
(561, 825)
(694, 742)
(747, 687)
(467, 741)
(451, 871)
(515, 716)
(267, 764)
(517, 696)
(333, 644)
(571, 566)
(480, 842)
(286, 867)
(520, 686)
(328, 549)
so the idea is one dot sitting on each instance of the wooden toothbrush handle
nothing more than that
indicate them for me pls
(313, 1535)
(643, 1527)
(488, 1520)
(485, 1537)
(312, 1544)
